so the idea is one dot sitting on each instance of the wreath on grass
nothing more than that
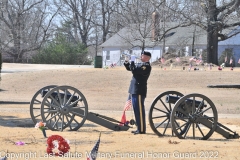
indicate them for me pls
(57, 145)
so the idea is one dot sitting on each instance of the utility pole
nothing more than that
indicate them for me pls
(164, 19)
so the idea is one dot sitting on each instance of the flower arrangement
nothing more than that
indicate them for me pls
(57, 145)
(42, 127)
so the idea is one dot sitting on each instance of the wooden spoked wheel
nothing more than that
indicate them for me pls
(194, 116)
(159, 113)
(64, 107)
(35, 104)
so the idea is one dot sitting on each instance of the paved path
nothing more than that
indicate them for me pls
(19, 67)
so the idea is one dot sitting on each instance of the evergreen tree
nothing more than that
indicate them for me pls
(62, 51)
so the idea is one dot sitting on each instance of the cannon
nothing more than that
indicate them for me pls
(65, 107)
(193, 116)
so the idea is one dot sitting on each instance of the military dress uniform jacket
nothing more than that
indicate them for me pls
(141, 72)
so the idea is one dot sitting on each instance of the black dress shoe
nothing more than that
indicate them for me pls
(134, 131)
(137, 132)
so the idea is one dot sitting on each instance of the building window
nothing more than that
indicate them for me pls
(108, 55)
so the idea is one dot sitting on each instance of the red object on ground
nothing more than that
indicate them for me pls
(123, 120)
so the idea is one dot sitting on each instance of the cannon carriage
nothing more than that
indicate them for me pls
(193, 116)
(65, 107)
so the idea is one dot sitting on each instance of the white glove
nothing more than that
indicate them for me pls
(126, 58)
(133, 58)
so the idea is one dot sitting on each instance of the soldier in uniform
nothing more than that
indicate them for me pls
(138, 88)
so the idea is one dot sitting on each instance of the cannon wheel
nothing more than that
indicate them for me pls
(159, 113)
(68, 109)
(194, 121)
(35, 104)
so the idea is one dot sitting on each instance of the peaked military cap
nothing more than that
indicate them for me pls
(146, 53)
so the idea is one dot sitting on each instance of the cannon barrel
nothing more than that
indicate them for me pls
(174, 99)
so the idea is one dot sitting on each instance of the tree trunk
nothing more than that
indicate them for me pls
(212, 45)
(212, 34)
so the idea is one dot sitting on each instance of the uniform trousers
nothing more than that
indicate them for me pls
(139, 112)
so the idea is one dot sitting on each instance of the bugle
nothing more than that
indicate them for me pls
(129, 55)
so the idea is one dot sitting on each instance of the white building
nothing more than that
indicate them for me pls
(232, 43)
(180, 39)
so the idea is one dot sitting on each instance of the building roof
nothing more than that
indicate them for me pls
(180, 36)
(177, 36)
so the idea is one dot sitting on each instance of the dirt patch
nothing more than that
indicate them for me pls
(106, 93)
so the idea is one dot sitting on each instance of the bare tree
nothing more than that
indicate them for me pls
(145, 23)
(90, 20)
(25, 26)
(80, 13)
(136, 16)
(213, 17)
(106, 12)
(101, 20)
(217, 21)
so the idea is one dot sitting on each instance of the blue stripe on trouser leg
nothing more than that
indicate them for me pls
(139, 112)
